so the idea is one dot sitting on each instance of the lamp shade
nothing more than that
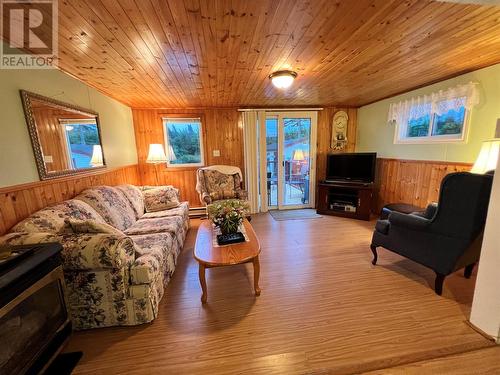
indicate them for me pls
(298, 155)
(156, 154)
(488, 157)
(97, 159)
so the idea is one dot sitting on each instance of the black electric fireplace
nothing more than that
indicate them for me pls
(34, 323)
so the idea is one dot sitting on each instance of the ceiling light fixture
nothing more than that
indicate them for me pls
(282, 79)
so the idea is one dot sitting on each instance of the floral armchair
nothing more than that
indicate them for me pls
(219, 182)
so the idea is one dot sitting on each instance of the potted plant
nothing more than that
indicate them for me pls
(228, 215)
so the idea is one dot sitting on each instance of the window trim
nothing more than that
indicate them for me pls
(165, 119)
(433, 139)
(63, 122)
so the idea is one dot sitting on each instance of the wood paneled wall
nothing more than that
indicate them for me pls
(222, 130)
(325, 119)
(19, 201)
(412, 181)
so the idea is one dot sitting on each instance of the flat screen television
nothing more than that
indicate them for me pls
(355, 167)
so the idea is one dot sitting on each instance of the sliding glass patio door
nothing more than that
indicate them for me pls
(290, 159)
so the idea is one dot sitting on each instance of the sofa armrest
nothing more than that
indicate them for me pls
(97, 251)
(409, 221)
(24, 238)
(83, 251)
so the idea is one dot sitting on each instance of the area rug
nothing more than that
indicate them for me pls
(307, 213)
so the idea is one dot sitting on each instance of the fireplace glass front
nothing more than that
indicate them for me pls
(28, 324)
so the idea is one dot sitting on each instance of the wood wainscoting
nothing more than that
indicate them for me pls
(222, 130)
(325, 120)
(19, 201)
(412, 181)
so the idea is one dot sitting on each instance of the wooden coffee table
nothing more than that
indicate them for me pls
(209, 256)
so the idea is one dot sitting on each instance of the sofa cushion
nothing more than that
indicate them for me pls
(145, 270)
(150, 187)
(153, 252)
(171, 224)
(52, 219)
(145, 290)
(182, 210)
(160, 198)
(91, 226)
(135, 198)
(111, 204)
(220, 185)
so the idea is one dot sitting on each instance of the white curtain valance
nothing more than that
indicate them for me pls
(438, 102)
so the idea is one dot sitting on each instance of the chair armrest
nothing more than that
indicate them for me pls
(428, 213)
(206, 198)
(409, 221)
(431, 210)
(83, 251)
(242, 194)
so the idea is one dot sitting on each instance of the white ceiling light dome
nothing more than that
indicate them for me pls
(283, 79)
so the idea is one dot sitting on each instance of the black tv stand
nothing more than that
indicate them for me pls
(345, 198)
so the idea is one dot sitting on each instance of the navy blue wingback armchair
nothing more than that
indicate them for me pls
(448, 235)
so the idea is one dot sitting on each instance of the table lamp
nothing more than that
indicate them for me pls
(488, 156)
(97, 159)
(156, 155)
(298, 155)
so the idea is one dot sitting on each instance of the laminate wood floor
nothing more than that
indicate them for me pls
(477, 362)
(323, 309)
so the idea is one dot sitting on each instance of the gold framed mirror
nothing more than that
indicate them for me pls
(66, 139)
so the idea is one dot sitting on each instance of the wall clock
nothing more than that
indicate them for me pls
(339, 131)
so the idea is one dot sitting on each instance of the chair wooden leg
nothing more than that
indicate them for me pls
(375, 256)
(438, 284)
(468, 270)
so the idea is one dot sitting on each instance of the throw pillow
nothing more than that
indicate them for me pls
(91, 226)
(229, 194)
(161, 198)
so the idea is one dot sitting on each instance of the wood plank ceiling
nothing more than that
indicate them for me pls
(219, 53)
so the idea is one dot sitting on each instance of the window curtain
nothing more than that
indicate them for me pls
(439, 102)
(250, 132)
(261, 120)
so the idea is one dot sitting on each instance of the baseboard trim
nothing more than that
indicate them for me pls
(481, 332)
(197, 212)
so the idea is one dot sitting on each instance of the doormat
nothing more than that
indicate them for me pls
(307, 213)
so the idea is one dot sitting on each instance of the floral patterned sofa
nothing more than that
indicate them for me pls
(118, 260)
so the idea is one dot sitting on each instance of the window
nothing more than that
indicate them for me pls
(183, 141)
(439, 117)
(81, 136)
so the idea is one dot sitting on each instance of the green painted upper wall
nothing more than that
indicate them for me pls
(374, 134)
(17, 162)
